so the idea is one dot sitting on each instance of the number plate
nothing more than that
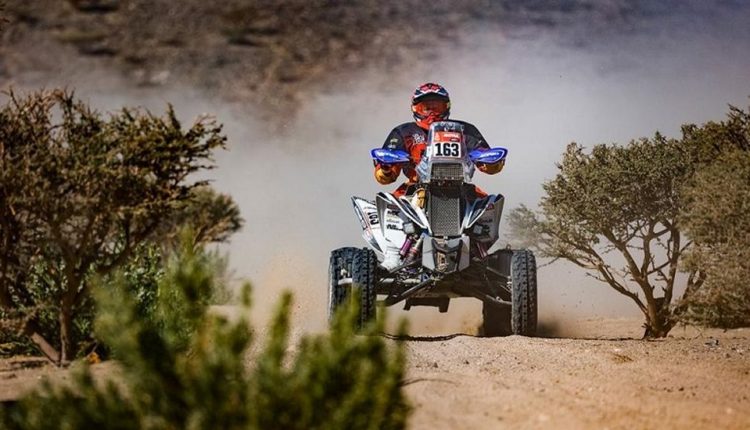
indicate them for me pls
(446, 149)
(447, 144)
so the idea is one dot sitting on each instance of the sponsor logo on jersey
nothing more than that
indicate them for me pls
(448, 136)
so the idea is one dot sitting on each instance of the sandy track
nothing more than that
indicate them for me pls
(691, 380)
(605, 378)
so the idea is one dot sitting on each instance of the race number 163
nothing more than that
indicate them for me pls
(447, 149)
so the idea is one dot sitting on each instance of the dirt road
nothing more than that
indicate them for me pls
(604, 378)
(690, 380)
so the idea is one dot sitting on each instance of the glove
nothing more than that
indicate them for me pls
(491, 169)
(386, 174)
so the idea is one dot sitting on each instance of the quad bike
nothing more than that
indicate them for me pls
(438, 242)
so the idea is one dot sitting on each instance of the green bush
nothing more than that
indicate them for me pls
(718, 218)
(614, 211)
(81, 190)
(661, 206)
(203, 380)
(140, 277)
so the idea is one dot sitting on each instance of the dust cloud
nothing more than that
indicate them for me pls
(531, 95)
(532, 92)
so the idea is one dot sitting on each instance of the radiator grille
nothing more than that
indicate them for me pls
(447, 172)
(445, 218)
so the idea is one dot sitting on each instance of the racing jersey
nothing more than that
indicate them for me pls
(412, 139)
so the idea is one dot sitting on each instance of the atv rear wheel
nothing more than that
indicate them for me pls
(352, 273)
(523, 293)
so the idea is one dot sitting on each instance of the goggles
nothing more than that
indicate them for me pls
(431, 107)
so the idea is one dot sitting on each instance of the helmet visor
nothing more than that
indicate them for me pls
(427, 108)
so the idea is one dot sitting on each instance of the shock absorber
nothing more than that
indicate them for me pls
(481, 249)
(414, 251)
(406, 246)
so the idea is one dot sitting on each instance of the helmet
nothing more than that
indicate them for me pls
(430, 103)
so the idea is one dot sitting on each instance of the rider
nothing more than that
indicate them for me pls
(429, 103)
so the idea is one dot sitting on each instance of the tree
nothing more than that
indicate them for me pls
(79, 192)
(3, 20)
(211, 217)
(705, 144)
(337, 380)
(717, 217)
(616, 213)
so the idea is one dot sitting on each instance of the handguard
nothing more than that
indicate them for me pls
(488, 156)
(390, 156)
(388, 163)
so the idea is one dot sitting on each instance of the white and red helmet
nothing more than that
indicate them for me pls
(430, 103)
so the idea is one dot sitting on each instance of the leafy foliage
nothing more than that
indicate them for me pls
(660, 206)
(617, 205)
(140, 276)
(334, 381)
(709, 142)
(717, 217)
(211, 217)
(79, 192)
(3, 20)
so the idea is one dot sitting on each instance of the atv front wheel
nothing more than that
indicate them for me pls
(339, 277)
(523, 293)
(495, 320)
(495, 317)
(363, 282)
(352, 270)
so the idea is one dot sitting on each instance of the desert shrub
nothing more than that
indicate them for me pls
(660, 206)
(718, 218)
(80, 191)
(11, 341)
(337, 380)
(3, 20)
(615, 212)
(140, 276)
